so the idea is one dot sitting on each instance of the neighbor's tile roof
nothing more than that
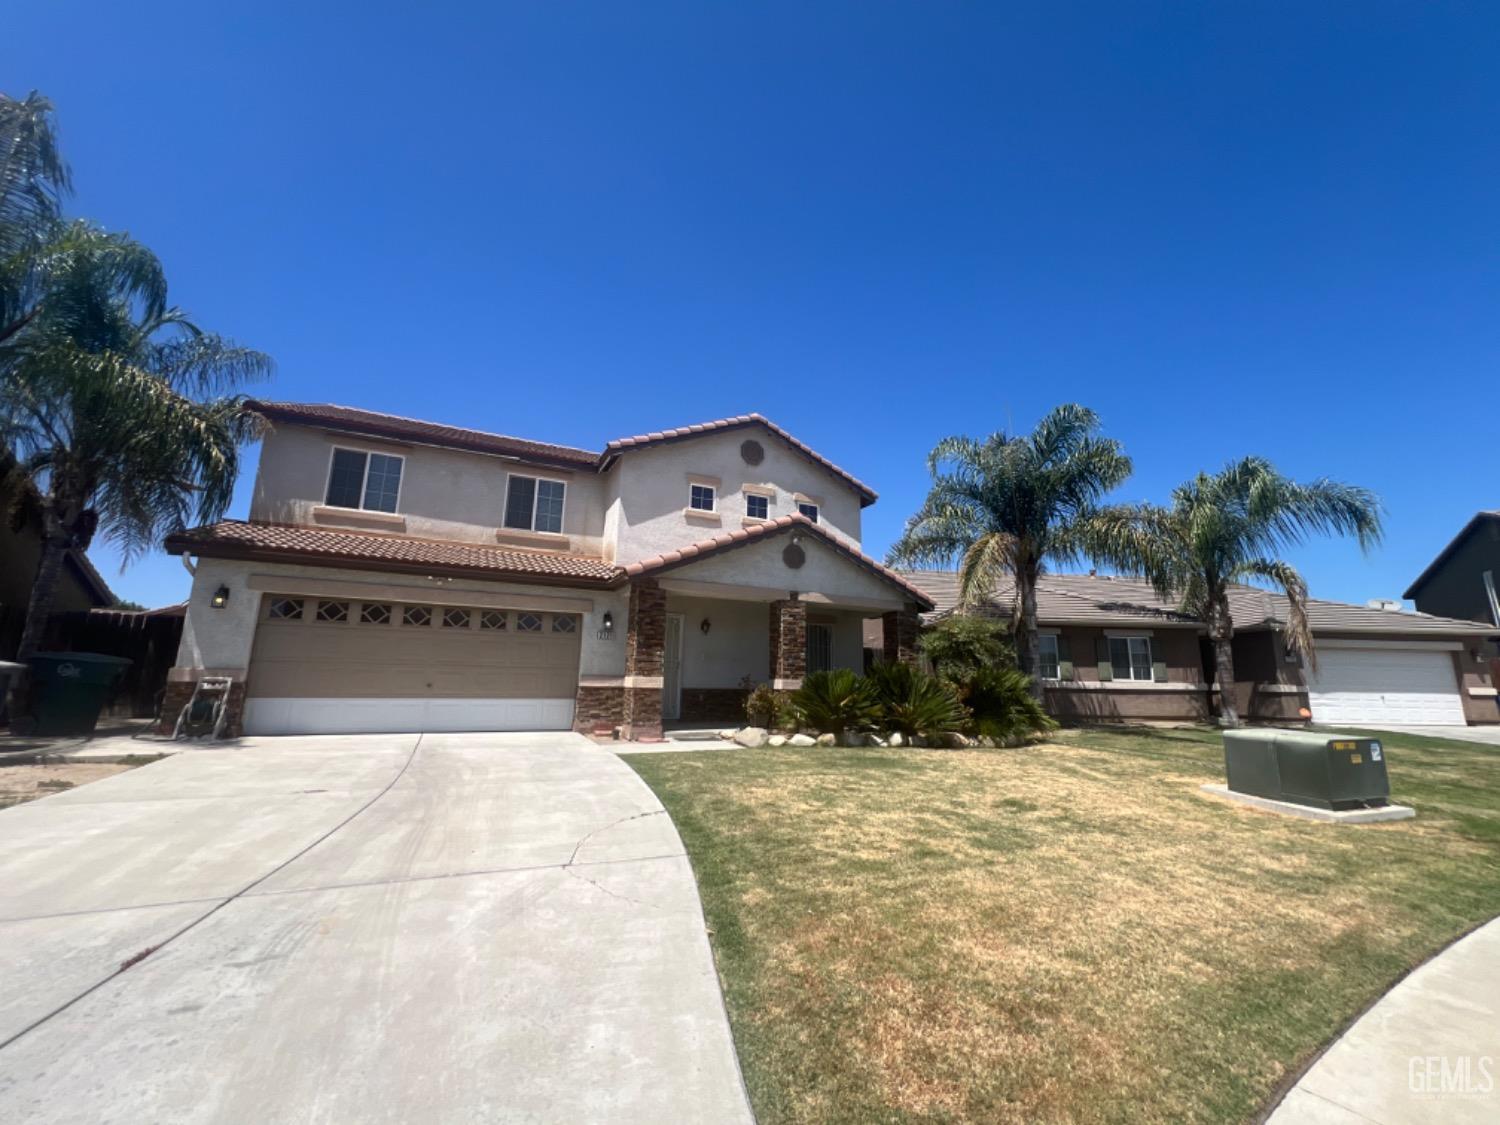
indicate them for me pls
(1436, 564)
(621, 445)
(238, 539)
(1108, 600)
(394, 427)
(746, 535)
(374, 424)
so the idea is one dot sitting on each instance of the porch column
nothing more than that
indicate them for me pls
(645, 651)
(788, 643)
(900, 627)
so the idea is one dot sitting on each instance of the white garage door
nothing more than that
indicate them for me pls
(337, 666)
(1372, 686)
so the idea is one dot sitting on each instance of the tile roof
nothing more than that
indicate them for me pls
(621, 445)
(371, 423)
(238, 539)
(1453, 545)
(743, 536)
(374, 424)
(1108, 600)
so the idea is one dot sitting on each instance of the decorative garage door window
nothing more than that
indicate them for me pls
(564, 623)
(492, 619)
(455, 618)
(528, 623)
(375, 613)
(285, 609)
(333, 612)
(416, 615)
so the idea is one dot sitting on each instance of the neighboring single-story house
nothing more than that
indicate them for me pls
(401, 575)
(1113, 649)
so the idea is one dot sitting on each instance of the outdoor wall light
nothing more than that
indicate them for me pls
(705, 626)
(609, 621)
(220, 598)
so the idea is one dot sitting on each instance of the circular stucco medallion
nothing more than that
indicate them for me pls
(794, 556)
(752, 451)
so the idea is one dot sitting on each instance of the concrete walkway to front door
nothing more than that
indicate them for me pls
(359, 928)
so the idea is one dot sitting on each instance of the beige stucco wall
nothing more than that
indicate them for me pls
(649, 492)
(221, 639)
(445, 494)
(761, 565)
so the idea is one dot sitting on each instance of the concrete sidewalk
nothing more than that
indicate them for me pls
(1428, 1052)
(479, 927)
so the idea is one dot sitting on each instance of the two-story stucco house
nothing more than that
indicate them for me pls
(398, 575)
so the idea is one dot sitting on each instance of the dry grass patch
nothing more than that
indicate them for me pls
(1067, 932)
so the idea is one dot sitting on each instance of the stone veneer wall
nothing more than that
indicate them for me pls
(900, 628)
(177, 694)
(645, 656)
(714, 705)
(788, 643)
(598, 708)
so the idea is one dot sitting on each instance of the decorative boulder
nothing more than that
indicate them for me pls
(751, 738)
(898, 739)
(727, 735)
(801, 740)
(827, 740)
(851, 738)
(777, 740)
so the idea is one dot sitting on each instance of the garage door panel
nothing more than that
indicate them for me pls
(1375, 686)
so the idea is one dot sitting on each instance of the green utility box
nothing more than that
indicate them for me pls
(1325, 771)
(68, 690)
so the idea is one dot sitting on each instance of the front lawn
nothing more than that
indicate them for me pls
(1064, 932)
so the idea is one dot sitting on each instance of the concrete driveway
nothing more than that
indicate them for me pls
(370, 928)
(1488, 734)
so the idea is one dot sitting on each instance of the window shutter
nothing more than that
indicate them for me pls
(1159, 671)
(1064, 659)
(1106, 666)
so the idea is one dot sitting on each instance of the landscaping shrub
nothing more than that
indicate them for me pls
(763, 707)
(1001, 705)
(834, 702)
(915, 703)
(957, 647)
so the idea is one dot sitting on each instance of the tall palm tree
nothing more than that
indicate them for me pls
(1231, 527)
(1008, 505)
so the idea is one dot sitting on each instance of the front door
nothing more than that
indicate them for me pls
(671, 683)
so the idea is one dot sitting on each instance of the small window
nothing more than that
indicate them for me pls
(701, 497)
(808, 510)
(528, 623)
(285, 609)
(534, 504)
(333, 612)
(492, 619)
(564, 623)
(455, 618)
(363, 480)
(416, 615)
(819, 648)
(1048, 669)
(757, 507)
(375, 613)
(1130, 657)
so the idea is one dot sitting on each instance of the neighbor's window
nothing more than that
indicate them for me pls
(819, 648)
(701, 497)
(1048, 668)
(363, 480)
(1131, 657)
(757, 507)
(534, 504)
(808, 510)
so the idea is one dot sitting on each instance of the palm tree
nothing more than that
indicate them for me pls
(115, 407)
(1226, 528)
(1008, 506)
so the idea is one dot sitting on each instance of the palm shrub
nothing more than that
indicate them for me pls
(1003, 706)
(959, 645)
(834, 702)
(914, 702)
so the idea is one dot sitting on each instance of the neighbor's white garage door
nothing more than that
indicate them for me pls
(340, 666)
(1372, 686)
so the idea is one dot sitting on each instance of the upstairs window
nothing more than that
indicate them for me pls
(1130, 657)
(701, 497)
(357, 479)
(757, 507)
(534, 504)
(808, 510)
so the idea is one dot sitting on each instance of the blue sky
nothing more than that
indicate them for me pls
(1229, 228)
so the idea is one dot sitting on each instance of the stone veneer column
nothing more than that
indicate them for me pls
(788, 643)
(645, 657)
(900, 627)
